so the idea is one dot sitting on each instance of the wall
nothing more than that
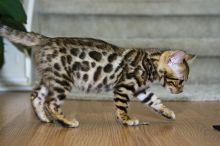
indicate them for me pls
(191, 25)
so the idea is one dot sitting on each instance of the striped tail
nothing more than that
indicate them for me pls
(29, 39)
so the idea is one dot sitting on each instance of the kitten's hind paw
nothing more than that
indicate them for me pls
(68, 124)
(60, 119)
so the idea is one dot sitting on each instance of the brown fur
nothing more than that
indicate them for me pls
(95, 65)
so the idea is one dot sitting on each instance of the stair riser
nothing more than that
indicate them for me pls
(131, 7)
(131, 26)
(199, 34)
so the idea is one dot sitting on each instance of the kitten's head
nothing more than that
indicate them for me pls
(173, 69)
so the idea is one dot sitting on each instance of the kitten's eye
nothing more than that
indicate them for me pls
(171, 83)
(181, 82)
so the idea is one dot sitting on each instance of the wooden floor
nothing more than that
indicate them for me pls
(98, 126)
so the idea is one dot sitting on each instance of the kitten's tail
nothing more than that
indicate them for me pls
(29, 39)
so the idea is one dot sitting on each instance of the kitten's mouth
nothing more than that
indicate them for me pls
(176, 92)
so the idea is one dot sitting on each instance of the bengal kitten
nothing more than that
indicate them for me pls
(94, 65)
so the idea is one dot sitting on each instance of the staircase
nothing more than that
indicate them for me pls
(191, 25)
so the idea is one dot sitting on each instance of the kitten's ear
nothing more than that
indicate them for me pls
(176, 57)
(190, 58)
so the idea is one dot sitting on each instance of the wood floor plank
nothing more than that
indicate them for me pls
(98, 126)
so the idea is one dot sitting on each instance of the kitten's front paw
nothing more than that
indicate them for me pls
(168, 113)
(134, 122)
(131, 122)
(68, 124)
(74, 123)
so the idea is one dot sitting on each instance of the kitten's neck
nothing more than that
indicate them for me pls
(154, 58)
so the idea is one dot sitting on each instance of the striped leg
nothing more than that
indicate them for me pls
(151, 100)
(53, 103)
(121, 102)
(58, 87)
(38, 99)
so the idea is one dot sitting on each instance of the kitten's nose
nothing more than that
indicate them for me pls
(177, 91)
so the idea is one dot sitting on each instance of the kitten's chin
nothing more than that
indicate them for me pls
(175, 92)
(172, 91)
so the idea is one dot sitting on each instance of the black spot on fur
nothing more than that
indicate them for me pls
(104, 53)
(74, 51)
(57, 66)
(55, 54)
(130, 75)
(68, 70)
(51, 93)
(129, 55)
(63, 60)
(95, 55)
(62, 83)
(59, 90)
(48, 69)
(67, 77)
(108, 68)
(85, 66)
(37, 88)
(57, 74)
(137, 58)
(93, 64)
(112, 57)
(88, 43)
(156, 54)
(63, 50)
(85, 77)
(112, 76)
(105, 80)
(100, 46)
(76, 66)
(82, 55)
(81, 42)
(69, 59)
(97, 73)
(61, 96)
